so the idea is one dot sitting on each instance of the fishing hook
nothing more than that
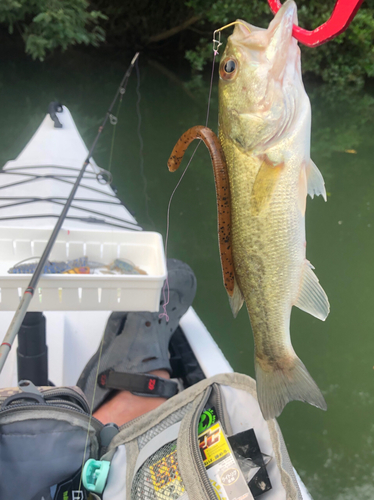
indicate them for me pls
(341, 17)
(221, 180)
(218, 42)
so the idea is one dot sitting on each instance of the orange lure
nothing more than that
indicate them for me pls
(222, 193)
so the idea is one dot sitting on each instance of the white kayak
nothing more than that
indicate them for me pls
(33, 190)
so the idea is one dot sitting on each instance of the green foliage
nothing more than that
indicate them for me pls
(343, 62)
(200, 56)
(45, 25)
(349, 58)
(132, 23)
(49, 24)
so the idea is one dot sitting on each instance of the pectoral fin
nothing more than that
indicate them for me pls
(316, 184)
(236, 299)
(312, 298)
(263, 187)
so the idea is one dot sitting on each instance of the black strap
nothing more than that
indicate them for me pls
(141, 384)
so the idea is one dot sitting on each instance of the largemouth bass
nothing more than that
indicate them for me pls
(264, 130)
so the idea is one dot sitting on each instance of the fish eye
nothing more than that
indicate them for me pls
(228, 69)
(230, 66)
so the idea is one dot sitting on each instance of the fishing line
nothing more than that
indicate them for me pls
(114, 123)
(91, 407)
(165, 288)
(141, 150)
(121, 91)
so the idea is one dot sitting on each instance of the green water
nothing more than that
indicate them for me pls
(333, 450)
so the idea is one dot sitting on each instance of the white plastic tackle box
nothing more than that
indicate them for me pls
(84, 292)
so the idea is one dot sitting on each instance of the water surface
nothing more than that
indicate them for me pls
(333, 450)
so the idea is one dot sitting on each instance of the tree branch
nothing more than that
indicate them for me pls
(173, 31)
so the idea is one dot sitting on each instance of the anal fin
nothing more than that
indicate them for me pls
(316, 184)
(312, 297)
(236, 299)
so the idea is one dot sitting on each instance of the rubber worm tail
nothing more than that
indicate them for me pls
(222, 192)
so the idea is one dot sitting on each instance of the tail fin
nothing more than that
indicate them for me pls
(277, 388)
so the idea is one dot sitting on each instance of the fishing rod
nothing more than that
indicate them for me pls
(29, 292)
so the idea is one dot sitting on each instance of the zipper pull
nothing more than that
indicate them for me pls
(29, 388)
(28, 391)
(95, 475)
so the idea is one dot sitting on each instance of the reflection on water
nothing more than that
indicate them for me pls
(333, 450)
(344, 476)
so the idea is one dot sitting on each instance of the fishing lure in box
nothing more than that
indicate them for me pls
(50, 267)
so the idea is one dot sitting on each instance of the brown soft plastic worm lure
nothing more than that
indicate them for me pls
(222, 192)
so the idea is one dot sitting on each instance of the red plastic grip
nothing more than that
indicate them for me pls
(341, 17)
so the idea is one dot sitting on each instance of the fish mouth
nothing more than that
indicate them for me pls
(260, 94)
(273, 48)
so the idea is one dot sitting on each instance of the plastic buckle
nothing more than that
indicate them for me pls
(95, 475)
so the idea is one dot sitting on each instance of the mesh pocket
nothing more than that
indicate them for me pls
(159, 477)
(175, 417)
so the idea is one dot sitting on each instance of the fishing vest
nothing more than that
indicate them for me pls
(207, 442)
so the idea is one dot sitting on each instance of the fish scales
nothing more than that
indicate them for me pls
(263, 270)
(264, 129)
